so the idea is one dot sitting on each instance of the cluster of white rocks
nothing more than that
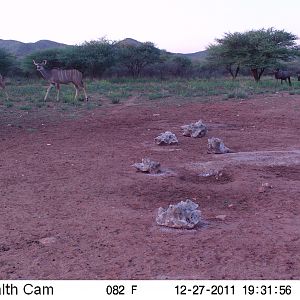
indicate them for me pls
(185, 214)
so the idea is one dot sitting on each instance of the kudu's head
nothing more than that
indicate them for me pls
(40, 66)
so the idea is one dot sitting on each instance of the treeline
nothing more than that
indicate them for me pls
(255, 52)
(103, 59)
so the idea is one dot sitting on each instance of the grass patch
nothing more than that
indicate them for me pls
(115, 101)
(237, 94)
(9, 104)
(117, 95)
(25, 107)
(156, 96)
(91, 106)
(294, 92)
(40, 104)
(28, 94)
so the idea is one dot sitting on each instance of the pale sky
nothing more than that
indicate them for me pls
(183, 26)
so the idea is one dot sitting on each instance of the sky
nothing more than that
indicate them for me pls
(179, 26)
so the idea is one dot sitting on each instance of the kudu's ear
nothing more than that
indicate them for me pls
(44, 61)
(34, 62)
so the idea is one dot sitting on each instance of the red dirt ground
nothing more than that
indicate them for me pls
(73, 207)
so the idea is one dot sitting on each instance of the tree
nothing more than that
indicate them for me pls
(227, 53)
(6, 61)
(182, 66)
(92, 58)
(136, 57)
(255, 49)
(266, 48)
(53, 57)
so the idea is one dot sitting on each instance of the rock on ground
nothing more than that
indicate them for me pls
(216, 146)
(166, 138)
(195, 130)
(148, 166)
(182, 215)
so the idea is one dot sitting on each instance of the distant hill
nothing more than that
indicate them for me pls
(129, 42)
(197, 56)
(20, 49)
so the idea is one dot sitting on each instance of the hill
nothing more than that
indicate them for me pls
(197, 56)
(20, 49)
(129, 42)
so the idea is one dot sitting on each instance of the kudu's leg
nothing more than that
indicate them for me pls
(58, 90)
(289, 79)
(82, 87)
(77, 89)
(48, 89)
(76, 92)
(85, 95)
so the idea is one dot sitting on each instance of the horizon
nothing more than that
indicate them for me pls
(88, 41)
(172, 25)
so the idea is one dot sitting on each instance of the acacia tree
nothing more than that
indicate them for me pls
(255, 49)
(226, 53)
(136, 57)
(266, 48)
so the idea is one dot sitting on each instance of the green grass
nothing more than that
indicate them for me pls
(158, 90)
(158, 95)
(29, 94)
(9, 104)
(238, 93)
(295, 92)
(117, 95)
(25, 107)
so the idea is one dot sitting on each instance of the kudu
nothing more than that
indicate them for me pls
(283, 75)
(58, 76)
(2, 86)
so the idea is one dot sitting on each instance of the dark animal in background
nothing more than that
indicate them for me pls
(283, 75)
